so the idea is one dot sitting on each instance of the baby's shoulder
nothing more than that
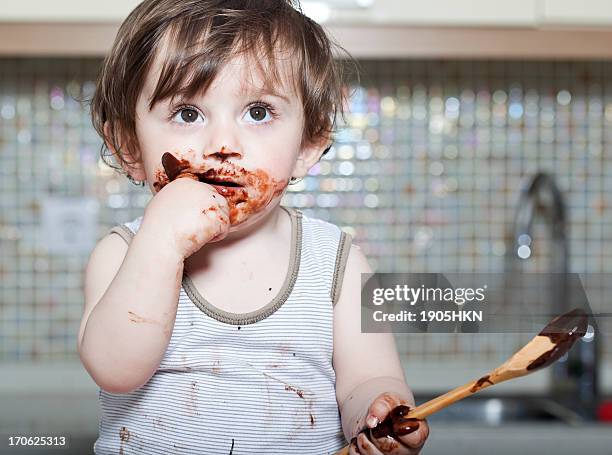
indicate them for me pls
(325, 240)
(320, 228)
(127, 230)
(134, 224)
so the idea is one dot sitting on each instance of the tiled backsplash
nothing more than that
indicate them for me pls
(425, 174)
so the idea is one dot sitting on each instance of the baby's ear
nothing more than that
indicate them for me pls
(133, 168)
(309, 155)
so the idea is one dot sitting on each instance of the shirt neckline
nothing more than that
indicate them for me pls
(281, 297)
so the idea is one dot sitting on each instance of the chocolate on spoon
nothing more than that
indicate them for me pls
(563, 331)
(549, 345)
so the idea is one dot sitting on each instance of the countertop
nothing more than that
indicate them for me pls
(62, 399)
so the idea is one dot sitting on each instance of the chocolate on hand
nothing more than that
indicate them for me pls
(176, 168)
(394, 426)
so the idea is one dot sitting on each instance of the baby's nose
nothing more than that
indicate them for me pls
(223, 152)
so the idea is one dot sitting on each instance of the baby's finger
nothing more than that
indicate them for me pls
(380, 408)
(416, 439)
(365, 446)
(353, 450)
(391, 446)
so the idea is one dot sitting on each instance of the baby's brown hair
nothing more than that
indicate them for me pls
(203, 35)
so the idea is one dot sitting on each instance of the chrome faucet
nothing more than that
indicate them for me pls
(574, 382)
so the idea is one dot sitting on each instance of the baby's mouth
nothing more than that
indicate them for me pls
(230, 189)
(181, 168)
(228, 183)
(247, 192)
(217, 181)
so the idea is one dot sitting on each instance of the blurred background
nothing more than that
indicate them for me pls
(461, 111)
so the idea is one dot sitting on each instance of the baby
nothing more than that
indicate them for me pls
(221, 321)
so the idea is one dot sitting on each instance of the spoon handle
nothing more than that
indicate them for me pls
(432, 406)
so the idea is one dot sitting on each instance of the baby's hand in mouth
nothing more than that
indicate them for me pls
(187, 214)
(176, 168)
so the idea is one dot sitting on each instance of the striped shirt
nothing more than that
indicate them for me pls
(243, 383)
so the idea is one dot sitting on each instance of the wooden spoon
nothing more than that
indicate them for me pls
(548, 346)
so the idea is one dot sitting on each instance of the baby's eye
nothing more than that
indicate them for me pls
(185, 115)
(259, 113)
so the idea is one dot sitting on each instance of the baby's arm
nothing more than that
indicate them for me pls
(366, 364)
(131, 297)
(131, 294)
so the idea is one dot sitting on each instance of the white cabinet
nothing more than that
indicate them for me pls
(476, 13)
(65, 10)
(577, 13)
(532, 14)
(563, 29)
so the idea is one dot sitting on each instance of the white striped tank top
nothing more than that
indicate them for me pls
(243, 383)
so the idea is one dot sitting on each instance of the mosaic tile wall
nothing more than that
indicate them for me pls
(436, 150)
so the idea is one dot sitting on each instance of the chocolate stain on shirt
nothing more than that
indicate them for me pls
(300, 393)
(157, 423)
(308, 402)
(192, 399)
(124, 436)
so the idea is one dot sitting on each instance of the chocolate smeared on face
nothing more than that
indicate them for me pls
(173, 166)
(388, 431)
(161, 180)
(563, 331)
(264, 189)
(246, 192)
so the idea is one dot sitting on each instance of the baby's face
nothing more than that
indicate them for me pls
(235, 132)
